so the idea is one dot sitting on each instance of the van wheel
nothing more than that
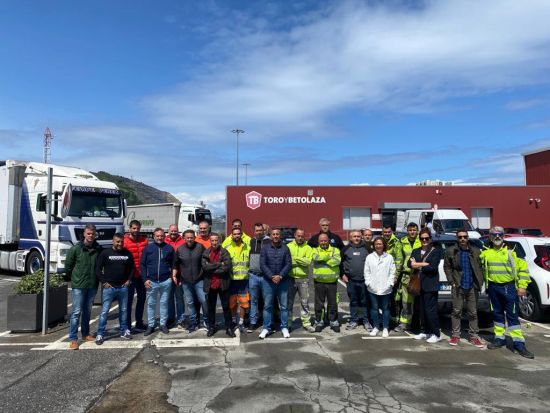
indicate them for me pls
(529, 306)
(34, 262)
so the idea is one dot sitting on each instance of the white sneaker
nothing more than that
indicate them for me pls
(374, 332)
(385, 333)
(421, 336)
(433, 339)
(285, 332)
(263, 334)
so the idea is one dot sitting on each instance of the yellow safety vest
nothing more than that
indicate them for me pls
(326, 264)
(239, 260)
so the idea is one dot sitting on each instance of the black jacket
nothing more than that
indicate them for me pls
(429, 275)
(353, 261)
(189, 262)
(222, 269)
(453, 268)
(115, 267)
(334, 240)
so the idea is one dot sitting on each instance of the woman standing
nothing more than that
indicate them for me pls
(426, 260)
(379, 279)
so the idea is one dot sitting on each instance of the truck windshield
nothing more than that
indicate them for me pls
(203, 215)
(453, 225)
(95, 205)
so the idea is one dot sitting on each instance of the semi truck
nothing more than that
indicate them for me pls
(80, 198)
(163, 215)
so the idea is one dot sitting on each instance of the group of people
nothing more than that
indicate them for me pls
(256, 279)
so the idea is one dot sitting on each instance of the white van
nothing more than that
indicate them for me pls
(440, 221)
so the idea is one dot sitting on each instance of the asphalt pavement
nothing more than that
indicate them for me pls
(320, 372)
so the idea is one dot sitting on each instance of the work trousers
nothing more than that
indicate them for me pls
(300, 286)
(212, 298)
(326, 292)
(428, 306)
(469, 298)
(504, 303)
(407, 301)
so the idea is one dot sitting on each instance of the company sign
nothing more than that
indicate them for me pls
(254, 200)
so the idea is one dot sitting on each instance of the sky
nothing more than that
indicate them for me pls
(327, 92)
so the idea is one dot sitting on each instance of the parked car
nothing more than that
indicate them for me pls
(534, 232)
(536, 251)
(445, 298)
(287, 233)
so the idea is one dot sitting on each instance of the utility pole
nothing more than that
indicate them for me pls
(47, 145)
(246, 165)
(237, 131)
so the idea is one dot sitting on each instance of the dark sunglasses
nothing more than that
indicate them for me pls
(497, 234)
(462, 237)
(425, 238)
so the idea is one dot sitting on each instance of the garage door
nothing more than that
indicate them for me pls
(481, 218)
(356, 218)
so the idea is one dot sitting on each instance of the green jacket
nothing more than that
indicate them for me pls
(80, 265)
(301, 259)
(326, 264)
(395, 249)
(407, 249)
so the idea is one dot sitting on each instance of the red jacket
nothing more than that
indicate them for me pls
(175, 244)
(136, 248)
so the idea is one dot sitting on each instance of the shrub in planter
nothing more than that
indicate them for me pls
(25, 306)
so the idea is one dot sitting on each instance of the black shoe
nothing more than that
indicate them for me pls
(318, 328)
(523, 352)
(211, 331)
(336, 329)
(230, 332)
(251, 328)
(164, 329)
(498, 343)
(149, 331)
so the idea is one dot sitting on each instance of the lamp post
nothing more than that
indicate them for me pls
(246, 165)
(237, 131)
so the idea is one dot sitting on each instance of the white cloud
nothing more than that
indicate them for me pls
(215, 201)
(356, 55)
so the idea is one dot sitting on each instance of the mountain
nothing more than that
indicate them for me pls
(137, 193)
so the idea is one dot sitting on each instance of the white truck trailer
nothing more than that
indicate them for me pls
(163, 215)
(81, 199)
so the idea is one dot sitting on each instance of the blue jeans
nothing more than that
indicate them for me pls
(176, 305)
(83, 299)
(109, 295)
(378, 302)
(162, 288)
(136, 286)
(255, 288)
(357, 292)
(193, 293)
(270, 290)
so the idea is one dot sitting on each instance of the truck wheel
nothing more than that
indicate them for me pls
(529, 306)
(34, 262)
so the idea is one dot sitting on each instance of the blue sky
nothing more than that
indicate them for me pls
(328, 93)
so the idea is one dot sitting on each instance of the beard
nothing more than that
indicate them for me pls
(497, 242)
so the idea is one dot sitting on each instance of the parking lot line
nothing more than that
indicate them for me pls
(107, 345)
(196, 342)
(386, 338)
(528, 323)
(22, 344)
(282, 339)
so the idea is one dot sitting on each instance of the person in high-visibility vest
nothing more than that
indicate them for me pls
(506, 278)
(326, 271)
(239, 296)
(409, 243)
(395, 249)
(236, 223)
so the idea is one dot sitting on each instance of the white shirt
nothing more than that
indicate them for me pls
(379, 273)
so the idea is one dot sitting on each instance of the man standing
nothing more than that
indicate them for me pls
(203, 236)
(326, 271)
(408, 243)
(353, 270)
(368, 237)
(80, 266)
(275, 263)
(507, 277)
(255, 276)
(298, 282)
(216, 264)
(188, 262)
(156, 266)
(136, 243)
(114, 269)
(236, 224)
(395, 249)
(463, 270)
(334, 239)
(239, 297)
(177, 311)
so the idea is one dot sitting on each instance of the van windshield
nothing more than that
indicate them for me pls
(453, 225)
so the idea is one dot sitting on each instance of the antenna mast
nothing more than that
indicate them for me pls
(47, 145)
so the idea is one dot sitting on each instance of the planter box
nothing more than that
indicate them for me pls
(25, 310)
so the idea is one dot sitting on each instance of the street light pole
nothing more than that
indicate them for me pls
(246, 165)
(237, 131)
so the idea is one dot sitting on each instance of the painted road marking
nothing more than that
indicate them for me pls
(90, 345)
(386, 338)
(529, 323)
(22, 344)
(282, 339)
(196, 342)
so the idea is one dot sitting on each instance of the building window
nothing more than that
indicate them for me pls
(356, 218)
(481, 218)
